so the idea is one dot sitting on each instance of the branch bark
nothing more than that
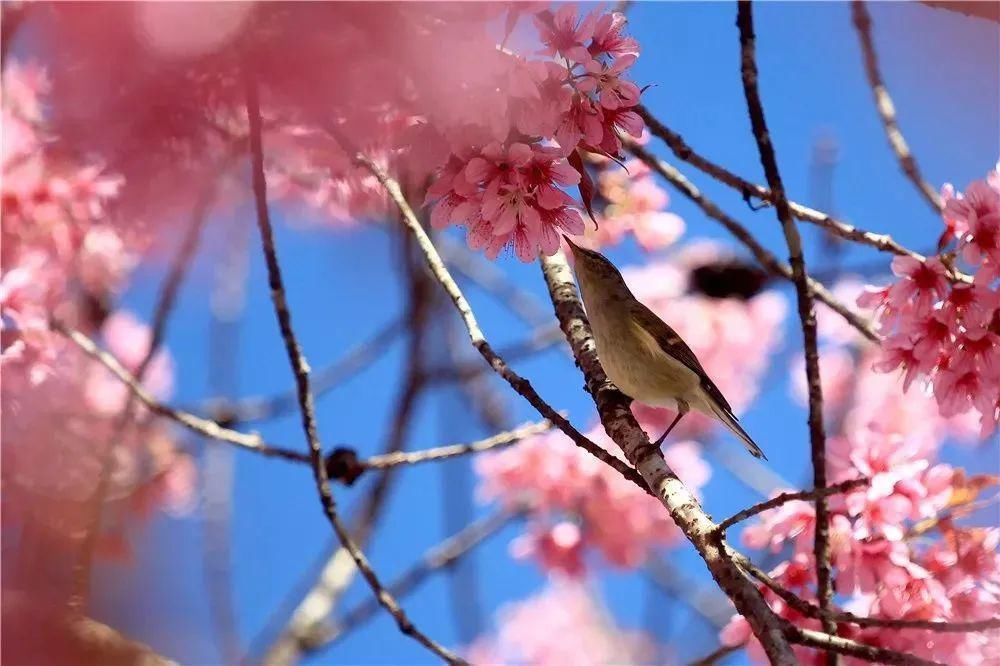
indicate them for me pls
(621, 426)
(807, 315)
(887, 110)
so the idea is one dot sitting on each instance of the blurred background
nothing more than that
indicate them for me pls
(255, 539)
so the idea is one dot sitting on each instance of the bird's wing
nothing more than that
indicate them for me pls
(672, 344)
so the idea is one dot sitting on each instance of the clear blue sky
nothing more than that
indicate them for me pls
(942, 70)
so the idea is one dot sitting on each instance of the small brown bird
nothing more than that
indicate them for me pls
(643, 356)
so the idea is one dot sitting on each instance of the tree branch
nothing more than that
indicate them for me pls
(353, 361)
(807, 315)
(886, 110)
(764, 257)
(834, 645)
(440, 557)
(300, 369)
(520, 385)
(621, 426)
(784, 498)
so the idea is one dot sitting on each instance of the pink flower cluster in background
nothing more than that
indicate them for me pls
(897, 549)
(577, 504)
(65, 254)
(948, 333)
(633, 203)
(563, 624)
(504, 179)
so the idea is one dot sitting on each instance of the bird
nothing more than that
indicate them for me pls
(644, 357)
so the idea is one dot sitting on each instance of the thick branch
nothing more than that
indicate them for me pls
(760, 253)
(300, 369)
(837, 645)
(621, 426)
(886, 110)
(520, 385)
(807, 315)
(784, 498)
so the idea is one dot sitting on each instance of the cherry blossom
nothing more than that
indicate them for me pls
(563, 624)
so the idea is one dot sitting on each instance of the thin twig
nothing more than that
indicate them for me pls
(164, 307)
(807, 314)
(783, 498)
(717, 655)
(300, 369)
(834, 645)
(886, 110)
(621, 426)
(763, 256)
(811, 610)
(833, 225)
(205, 427)
(440, 557)
(353, 361)
(520, 385)
(491, 279)
(501, 440)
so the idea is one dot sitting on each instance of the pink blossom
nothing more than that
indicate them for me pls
(606, 80)
(535, 632)
(564, 34)
(608, 37)
(922, 283)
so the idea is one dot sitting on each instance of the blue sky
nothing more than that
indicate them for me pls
(942, 70)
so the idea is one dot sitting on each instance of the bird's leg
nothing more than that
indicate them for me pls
(682, 409)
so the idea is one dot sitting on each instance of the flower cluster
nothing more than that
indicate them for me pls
(504, 182)
(564, 624)
(65, 255)
(578, 504)
(886, 561)
(946, 332)
(632, 203)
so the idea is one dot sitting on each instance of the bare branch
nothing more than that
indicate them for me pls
(440, 557)
(835, 226)
(204, 427)
(500, 440)
(807, 314)
(717, 655)
(165, 303)
(621, 426)
(300, 369)
(836, 645)
(486, 275)
(783, 498)
(520, 385)
(886, 110)
(353, 361)
(763, 256)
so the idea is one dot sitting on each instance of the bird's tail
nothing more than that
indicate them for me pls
(730, 421)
